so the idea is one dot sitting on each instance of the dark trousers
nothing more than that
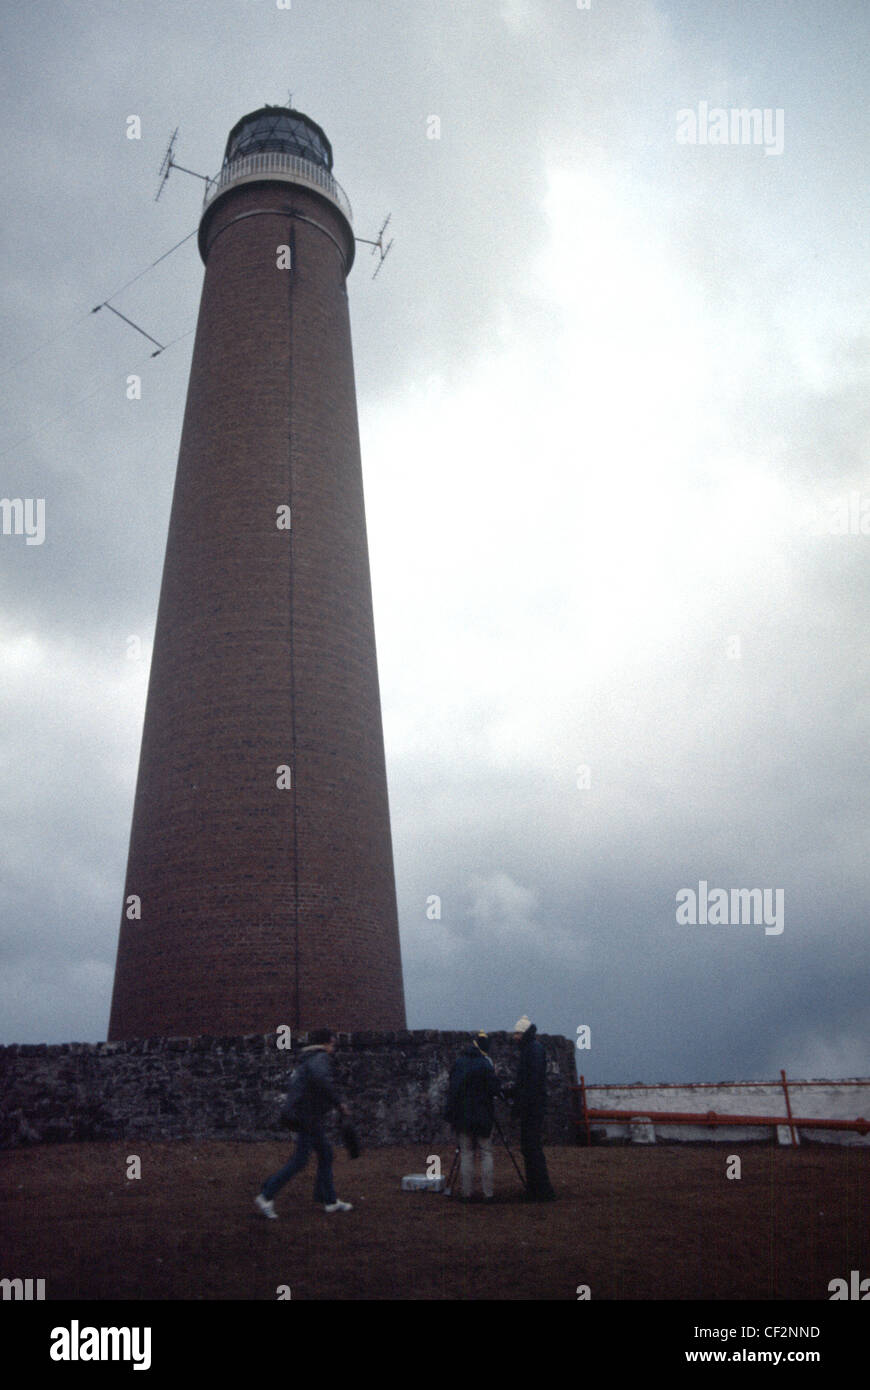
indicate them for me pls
(308, 1139)
(537, 1178)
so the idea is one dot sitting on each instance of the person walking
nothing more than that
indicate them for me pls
(470, 1110)
(529, 1105)
(310, 1098)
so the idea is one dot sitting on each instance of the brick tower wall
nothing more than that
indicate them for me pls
(263, 906)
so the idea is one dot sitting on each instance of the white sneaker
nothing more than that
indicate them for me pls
(339, 1206)
(266, 1207)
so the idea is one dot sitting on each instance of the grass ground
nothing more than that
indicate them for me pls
(630, 1223)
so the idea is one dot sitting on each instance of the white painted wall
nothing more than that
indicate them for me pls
(841, 1100)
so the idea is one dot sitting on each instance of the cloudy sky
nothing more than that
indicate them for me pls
(613, 385)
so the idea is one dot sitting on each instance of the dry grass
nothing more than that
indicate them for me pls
(632, 1223)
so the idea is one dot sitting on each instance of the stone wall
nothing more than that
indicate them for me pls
(232, 1088)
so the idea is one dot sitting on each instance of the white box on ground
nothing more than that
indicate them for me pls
(418, 1182)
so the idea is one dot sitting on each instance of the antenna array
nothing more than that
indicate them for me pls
(166, 165)
(379, 244)
(169, 164)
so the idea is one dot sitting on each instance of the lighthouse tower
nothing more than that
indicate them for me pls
(260, 889)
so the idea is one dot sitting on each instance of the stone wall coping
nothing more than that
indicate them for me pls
(253, 1042)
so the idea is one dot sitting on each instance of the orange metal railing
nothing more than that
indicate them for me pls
(711, 1117)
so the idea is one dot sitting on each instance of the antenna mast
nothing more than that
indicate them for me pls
(379, 244)
(166, 165)
(169, 164)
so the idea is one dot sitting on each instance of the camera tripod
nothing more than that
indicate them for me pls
(456, 1157)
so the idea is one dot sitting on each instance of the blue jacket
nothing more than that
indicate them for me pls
(471, 1093)
(311, 1093)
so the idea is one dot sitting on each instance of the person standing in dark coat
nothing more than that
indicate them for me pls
(530, 1104)
(471, 1111)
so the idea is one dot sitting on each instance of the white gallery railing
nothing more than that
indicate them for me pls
(274, 162)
